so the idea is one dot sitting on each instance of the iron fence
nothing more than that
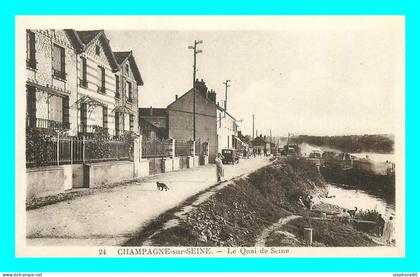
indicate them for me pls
(183, 148)
(153, 148)
(74, 150)
(197, 148)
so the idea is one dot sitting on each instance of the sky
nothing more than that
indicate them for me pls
(329, 80)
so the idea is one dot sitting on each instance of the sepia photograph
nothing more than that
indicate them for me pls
(210, 136)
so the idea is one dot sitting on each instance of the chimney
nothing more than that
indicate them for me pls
(176, 97)
(211, 95)
(151, 110)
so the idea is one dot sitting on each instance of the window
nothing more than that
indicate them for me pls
(83, 80)
(101, 79)
(59, 62)
(117, 86)
(97, 50)
(30, 50)
(131, 122)
(129, 92)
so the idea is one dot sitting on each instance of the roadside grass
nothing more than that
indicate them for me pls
(326, 233)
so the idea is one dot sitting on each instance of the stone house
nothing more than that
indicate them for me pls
(180, 114)
(227, 130)
(77, 85)
(107, 85)
(51, 82)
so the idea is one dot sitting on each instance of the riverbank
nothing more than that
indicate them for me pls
(248, 211)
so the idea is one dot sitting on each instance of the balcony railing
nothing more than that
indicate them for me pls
(47, 123)
(94, 129)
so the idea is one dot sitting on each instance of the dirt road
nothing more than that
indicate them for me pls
(112, 217)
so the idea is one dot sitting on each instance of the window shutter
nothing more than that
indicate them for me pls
(117, 86)
(63, 62)
(103, 78)
(54, 58)
(31, 105)
(66, 110)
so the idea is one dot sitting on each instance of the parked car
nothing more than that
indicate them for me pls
(230, 156)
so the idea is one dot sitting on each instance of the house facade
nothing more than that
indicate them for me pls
(227, 130)
(127, 81)
(107, 86)
(51, 84)
(180, 114)
(76, 83)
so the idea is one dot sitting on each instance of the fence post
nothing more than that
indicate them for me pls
(58, 149)
(141, 147)
(71, 150)
(83, 149)
(193, 148)
(173, 148)
(136, 156)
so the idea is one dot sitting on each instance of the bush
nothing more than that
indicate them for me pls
(41, 144)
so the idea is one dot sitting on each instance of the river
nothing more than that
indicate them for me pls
(350, 197)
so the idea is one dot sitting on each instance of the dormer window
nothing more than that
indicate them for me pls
(98, 50)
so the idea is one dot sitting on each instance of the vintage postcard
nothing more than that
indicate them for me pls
(210, 136)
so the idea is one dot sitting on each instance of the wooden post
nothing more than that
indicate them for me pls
(307, 235)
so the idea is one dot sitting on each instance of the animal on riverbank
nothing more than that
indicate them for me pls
(161, 186)
(352, 213)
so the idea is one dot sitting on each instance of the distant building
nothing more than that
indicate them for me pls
(180, 114)
(259, 144)
(227, 130)
(154, 123)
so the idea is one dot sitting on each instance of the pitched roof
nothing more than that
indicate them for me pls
(185, 94)
(83, 39)
(122, 56)
(88, 36)
(223, 110)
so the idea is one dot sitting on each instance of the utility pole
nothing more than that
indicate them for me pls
(226, 89)
(271, 138)
(253, 125)
(196, 51)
